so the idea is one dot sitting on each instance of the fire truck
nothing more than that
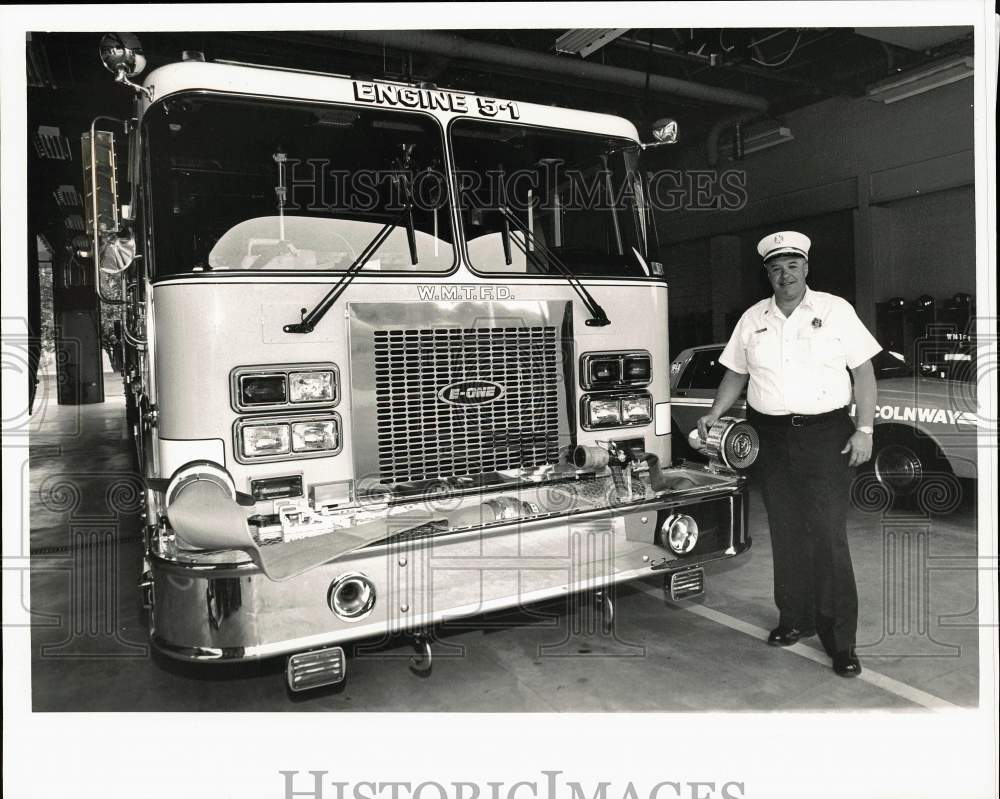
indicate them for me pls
(395, 355)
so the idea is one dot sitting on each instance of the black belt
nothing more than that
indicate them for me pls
(793, 419)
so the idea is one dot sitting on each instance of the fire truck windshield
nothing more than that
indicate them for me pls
(580, 196)
(238, 184)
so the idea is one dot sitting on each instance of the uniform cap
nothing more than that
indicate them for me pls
(787, 242)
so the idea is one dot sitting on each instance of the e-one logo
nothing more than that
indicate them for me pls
(471, 392)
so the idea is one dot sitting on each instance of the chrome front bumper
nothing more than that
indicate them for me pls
(234, 612)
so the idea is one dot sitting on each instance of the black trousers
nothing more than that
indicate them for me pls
(806, 486)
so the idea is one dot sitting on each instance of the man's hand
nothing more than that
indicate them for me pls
(860, 447)
(706, 422)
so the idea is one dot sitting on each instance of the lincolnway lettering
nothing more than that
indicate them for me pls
(906, 413)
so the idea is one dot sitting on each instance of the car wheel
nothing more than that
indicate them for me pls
(913, 472)
(900, 467)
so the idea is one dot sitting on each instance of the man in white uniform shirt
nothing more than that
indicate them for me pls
(795, 349)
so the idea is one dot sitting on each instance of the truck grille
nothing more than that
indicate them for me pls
(422, 437)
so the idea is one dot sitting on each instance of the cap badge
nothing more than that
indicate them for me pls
(817, 322)
(778, 238)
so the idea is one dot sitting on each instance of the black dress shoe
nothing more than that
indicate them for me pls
(846, 663)
(786, 636)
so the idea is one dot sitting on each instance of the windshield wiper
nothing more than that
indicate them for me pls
(312, 318)
(598, 318)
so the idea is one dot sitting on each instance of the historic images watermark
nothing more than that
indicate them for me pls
(545, 785)
(317, 185)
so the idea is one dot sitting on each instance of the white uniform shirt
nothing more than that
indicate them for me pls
(799, 364)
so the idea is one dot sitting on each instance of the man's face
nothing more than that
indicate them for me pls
(787, 274)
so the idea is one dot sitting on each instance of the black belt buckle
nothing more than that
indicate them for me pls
(798, 421)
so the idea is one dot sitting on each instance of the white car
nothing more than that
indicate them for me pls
(926, 423)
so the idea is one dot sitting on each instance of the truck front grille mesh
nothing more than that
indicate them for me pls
(421, 437)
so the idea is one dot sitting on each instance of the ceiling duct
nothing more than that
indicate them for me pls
(585, 41)
(920, 80)
(548, 66)
(715, 134)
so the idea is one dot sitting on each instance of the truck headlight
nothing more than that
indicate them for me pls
(604, 372)
(607, 370)
(276, 387)
(287, 438)
(603, 413)
(637, 369)
(637, 409)
(315, 436)
(262, 390)
(616, 410)
(265, 439)
(311, 386)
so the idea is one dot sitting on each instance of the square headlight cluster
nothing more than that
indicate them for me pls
(309, 385)
(605, 370)
(606, 374)
(303, 394)
(618, 410)
(274, 439)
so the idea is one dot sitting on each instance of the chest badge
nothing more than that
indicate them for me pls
(817, 322)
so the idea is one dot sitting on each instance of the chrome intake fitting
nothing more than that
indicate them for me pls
(585, 457)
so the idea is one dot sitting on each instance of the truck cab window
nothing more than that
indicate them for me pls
(265, 185)
(576, 193)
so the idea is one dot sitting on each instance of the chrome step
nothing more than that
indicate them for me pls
(686, 584)
(307, 670)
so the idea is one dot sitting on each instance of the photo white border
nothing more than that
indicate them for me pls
(900, 754)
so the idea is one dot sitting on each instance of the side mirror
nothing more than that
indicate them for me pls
(121, 54)
(665, 131)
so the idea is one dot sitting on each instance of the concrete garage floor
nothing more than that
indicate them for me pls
(918, 637)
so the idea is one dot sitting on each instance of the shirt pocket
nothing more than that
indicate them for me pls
(824, 348)
(762, 350)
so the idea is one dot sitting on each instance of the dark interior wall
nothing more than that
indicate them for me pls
(903, 172)
(925, 245)
(690, 278)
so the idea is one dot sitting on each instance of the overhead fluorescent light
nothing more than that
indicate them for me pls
(584, 41)
(759, 138)
(918, 81)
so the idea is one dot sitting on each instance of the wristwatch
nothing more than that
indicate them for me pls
(866, 429)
